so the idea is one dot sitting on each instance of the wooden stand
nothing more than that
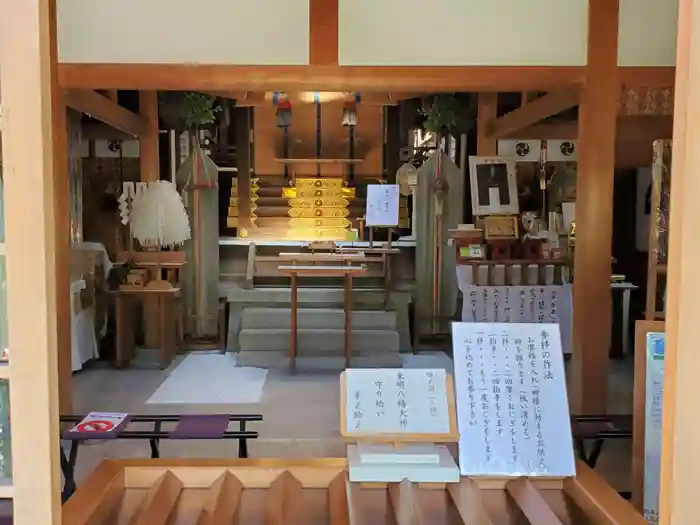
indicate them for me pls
(393, 457)
(318, 491)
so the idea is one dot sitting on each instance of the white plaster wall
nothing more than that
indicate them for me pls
(648, 30)
(463, 32)
(253, 32)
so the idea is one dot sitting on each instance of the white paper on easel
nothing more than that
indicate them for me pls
(494, 199)
(382, 205)
(512, 408)
(396, 401)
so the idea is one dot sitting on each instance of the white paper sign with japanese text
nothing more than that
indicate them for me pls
(654, 393)
(512, 408)
(382, 205)
(396, 401)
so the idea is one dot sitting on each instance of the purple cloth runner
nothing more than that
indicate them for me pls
(201, 427)
(110, 434)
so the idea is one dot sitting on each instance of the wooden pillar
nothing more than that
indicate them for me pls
(487, 111)
(680, 462)
(148, 141)
(150, 172)
(592, 318)
(61, 192)
(27, 71)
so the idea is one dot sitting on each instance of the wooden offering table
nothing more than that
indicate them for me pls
(384, 257)
(347, 273)
(317, 492)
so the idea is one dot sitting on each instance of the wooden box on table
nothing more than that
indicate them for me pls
(317, 492)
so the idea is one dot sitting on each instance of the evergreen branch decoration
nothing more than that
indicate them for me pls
(187, 109)
(440, 112)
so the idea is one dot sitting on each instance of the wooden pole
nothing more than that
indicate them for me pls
(680, 463)
(64, 315)
(150, 172)
(592, 318)
(487, 111)
(27, 75)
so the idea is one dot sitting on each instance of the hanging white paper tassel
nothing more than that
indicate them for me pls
(158, 216)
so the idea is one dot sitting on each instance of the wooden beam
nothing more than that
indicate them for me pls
(592, 316)
(634, 128)
(680, 463)
(487, 111)
(342, 78)
(27, 76)
(260, 98)
(310, 78)
(533, 112)
(323, 32)
(102, 108)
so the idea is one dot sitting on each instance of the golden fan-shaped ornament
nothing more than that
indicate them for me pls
(320, 222)
(323, 202)
(320, 193)
(319, 184)
(318, 212)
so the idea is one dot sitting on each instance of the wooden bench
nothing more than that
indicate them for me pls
(189, 426)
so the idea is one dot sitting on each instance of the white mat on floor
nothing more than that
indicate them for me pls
(210, 379)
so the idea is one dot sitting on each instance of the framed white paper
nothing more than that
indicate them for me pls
(382, 205)
(396, 401)
(512, 409)
(654, 392)
(494, 188)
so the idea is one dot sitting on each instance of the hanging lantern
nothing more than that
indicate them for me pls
(350, 110)
(284, 110)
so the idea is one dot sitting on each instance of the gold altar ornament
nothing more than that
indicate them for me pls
(325, 202)
(320, 222)
(318, 212)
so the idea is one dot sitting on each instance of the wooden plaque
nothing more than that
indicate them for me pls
(450, 435)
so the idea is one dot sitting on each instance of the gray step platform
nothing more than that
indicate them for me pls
(280, 360)
(319, 342)
(316, 318)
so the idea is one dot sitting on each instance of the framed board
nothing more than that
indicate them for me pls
(494, 188)
(382, 205)
(398, 405)
(641, 330)
(513, 412)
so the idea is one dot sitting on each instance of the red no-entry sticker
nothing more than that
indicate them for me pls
(95, 425)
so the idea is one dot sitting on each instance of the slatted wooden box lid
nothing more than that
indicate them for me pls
(317, 492)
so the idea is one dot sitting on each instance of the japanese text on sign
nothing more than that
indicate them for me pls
(396, 401)
(512, 408)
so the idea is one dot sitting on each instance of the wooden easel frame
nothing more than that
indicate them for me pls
(451, 437)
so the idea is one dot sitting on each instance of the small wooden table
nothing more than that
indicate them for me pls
(167, 301)
(346, 272)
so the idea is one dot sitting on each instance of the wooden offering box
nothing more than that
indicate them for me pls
(316, 492)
